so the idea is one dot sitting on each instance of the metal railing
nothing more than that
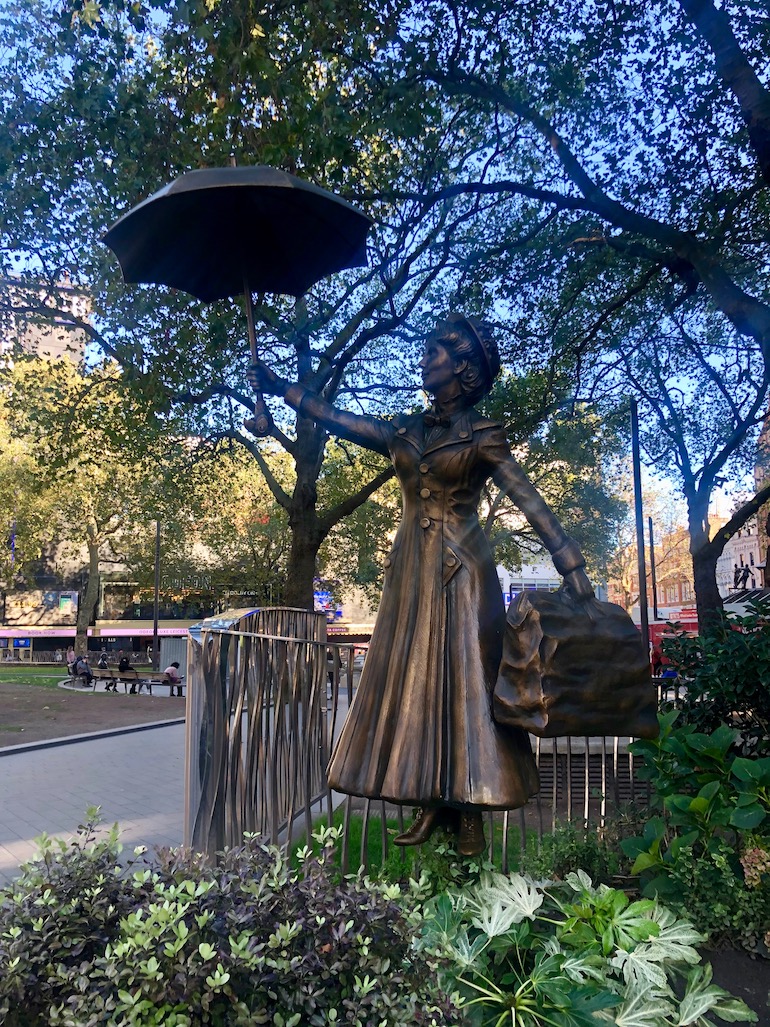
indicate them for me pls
(267, 697)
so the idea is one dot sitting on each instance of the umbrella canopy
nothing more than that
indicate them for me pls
(216, 231)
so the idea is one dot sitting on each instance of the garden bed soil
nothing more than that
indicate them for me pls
(745, 978)
(32, 713)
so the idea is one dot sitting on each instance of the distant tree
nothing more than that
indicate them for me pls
(672, 557)
(351, 557)
(103, 462)
(28, 514)
(241, 530)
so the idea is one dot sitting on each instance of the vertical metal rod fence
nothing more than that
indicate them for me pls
(267, 698)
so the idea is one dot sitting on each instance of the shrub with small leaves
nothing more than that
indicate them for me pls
(183, 943)
(711, 890)
(571, 846)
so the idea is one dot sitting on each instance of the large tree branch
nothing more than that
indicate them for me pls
(738, 519)
(747, 313)
(614, 305)
(501, 185)
(331, 517)
(736, 73)
(61, 316)
(281, 497)
(343, 350)
(190, 398)
(709, 370)
(395, 285)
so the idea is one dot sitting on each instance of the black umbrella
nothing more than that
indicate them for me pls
(219, 232)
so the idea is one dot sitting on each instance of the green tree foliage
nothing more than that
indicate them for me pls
(638, 135)
(27, 509)
(569, 449)
(101, 463)
(352, 554)
(104, 103)
(239, 532)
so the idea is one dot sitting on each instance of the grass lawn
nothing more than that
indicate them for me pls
(29, 674)
(33, 674)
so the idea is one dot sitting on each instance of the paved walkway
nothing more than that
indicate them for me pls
(136, 778)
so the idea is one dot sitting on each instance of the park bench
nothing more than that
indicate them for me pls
(113, 676)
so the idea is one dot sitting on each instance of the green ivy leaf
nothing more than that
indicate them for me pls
(747, 817)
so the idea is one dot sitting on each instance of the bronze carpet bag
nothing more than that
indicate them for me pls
(574, 667)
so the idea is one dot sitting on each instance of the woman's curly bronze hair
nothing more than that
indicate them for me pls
(470, 339)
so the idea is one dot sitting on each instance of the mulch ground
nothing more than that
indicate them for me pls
(745, 978)
(30, 713)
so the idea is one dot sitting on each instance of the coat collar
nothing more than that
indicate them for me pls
(411, 429)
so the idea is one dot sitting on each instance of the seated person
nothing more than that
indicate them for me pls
(83, 671)
(174, 677)
(124, 667)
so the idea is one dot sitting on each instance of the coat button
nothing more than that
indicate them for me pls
(387, 562)
(463, 434)
(424, 493)
(424, 468)
(401, 431)
(425, 522)
(450, 560)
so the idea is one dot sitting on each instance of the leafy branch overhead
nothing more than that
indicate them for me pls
(592, 176)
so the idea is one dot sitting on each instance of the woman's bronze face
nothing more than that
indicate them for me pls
(439, 366)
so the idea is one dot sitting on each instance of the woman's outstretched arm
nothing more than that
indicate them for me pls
(371, 432)
(509, 476)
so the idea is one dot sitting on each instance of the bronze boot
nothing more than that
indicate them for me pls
(422, 827)
(471, 841)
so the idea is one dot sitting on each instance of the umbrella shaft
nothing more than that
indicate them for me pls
(250, 319)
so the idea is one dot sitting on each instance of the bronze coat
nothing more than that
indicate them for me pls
(420, 729)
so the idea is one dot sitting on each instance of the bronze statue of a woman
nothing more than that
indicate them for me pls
(420, 730)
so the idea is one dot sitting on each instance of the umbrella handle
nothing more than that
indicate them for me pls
(261, 424)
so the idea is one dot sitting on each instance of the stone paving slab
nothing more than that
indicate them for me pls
(137, 778)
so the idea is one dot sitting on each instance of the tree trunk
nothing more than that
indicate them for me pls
(301, 571)
(309, 526)
(89, 598)
(704, 553)
(306, 533)
(707, 598)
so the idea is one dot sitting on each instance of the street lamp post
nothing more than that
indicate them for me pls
(156, 601)
(636, 461)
